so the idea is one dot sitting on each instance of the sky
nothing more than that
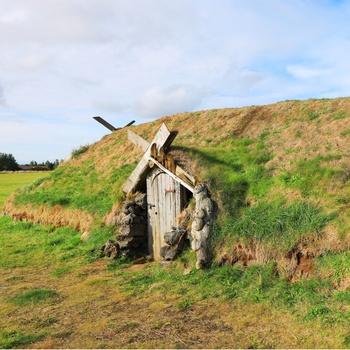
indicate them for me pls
(64, 61)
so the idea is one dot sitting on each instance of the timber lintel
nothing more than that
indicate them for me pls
(176, 178)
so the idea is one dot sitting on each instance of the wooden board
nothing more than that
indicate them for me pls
(163, 138)
(105, 123)
(176, 178)
(147, 147)
(138, 140)
(164, 206)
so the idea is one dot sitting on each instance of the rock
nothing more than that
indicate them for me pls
(141, 201)
(130, 219)
(111, 249)
(127, 242)
(132, 235)
(173, 237)
(175, 241)
(168, 252)
(126, 206)
(134, 230)
(135, 209)
(203, 218)
(198, 224)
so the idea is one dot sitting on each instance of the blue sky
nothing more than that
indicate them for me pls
(64, 61)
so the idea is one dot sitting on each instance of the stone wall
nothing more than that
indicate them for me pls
(132, 234)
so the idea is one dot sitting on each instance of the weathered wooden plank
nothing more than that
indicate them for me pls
(163, 138)
(136, 176)
(144, 144)
(129, 124)
(178, 196)
(110, 126)
(105, 124)
(185, 176)
(183, 183)
(165, 202)
(150, 213)
(138, 140)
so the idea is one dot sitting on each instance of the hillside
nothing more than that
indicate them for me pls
(279, 174)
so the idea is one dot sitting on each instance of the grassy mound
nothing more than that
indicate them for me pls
(279, 174)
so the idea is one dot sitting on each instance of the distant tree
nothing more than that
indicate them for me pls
(8, 162)
(33, 163)
(49, 165)
(57, 163)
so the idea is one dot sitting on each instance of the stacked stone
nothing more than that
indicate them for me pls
(132, 235)
(174, 243)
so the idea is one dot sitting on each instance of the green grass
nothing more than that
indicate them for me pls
(275, 224)
(312, 299)
(59, 261)
(235, 170)
(339, 115)
(79, 188)
(68, 280)
(336, 266)
(40, 242)
(312, 176)
(17, 339)
(313, 115)
(76, 153)
(9, 182)
(34, 296)
(345, 132)
(237, 175)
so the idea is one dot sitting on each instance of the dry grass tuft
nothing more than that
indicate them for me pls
(57, 216)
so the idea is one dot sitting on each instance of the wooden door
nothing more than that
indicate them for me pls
(164, 206)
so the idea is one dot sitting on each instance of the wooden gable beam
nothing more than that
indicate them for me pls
(163, 138)
(179, 172)
(110, 126)
(138, 140)
(176, 178)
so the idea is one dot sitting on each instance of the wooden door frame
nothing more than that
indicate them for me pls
(154, 226)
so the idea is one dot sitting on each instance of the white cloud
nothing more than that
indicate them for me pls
(31, 61)
(158, 102)
(64, 61)
(2, 96)
(303, 72)
(53, 22)
(12, 16)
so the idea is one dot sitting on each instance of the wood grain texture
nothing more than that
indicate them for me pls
(165, 194)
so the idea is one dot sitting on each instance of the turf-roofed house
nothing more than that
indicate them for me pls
(157, 219)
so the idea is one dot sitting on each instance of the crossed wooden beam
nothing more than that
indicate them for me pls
(110, 126)
(155, 155)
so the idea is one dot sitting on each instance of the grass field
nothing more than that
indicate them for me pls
(9, 182)
(54, 294)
